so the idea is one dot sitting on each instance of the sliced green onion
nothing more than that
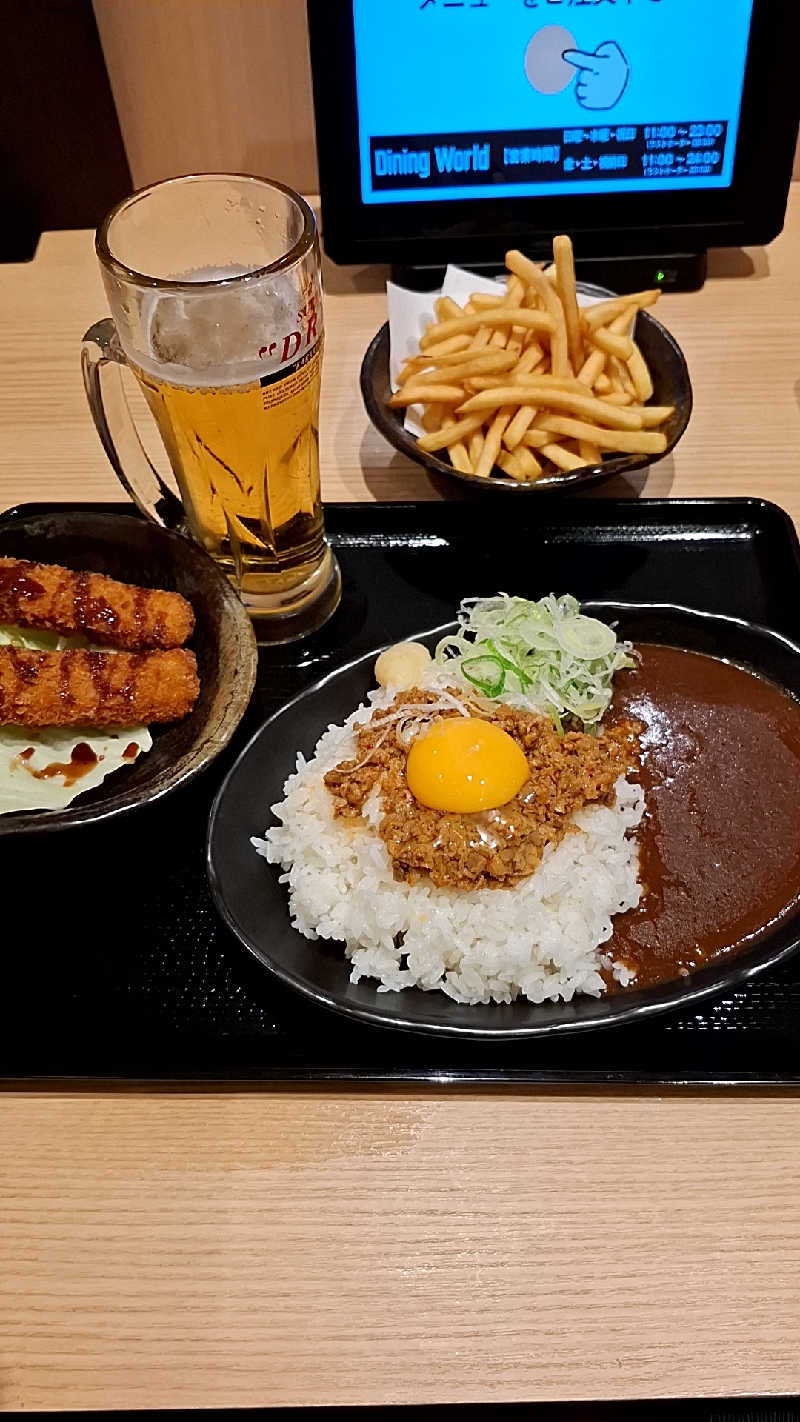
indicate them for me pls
(587, 638)
(524, 680)
(486, 673)
(543, 656)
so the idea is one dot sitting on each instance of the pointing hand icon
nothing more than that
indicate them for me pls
(602, 76)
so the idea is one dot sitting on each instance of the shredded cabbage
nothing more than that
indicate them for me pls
(41, 641)
(543, 656)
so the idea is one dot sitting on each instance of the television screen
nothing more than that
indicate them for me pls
(449, 130)
(530, 98)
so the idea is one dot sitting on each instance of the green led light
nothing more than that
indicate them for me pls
(661, 276)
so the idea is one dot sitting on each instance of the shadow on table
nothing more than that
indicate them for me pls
(399, 472)
(738, 262)
(352, 281)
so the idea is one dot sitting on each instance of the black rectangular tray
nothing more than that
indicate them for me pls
(115, 966)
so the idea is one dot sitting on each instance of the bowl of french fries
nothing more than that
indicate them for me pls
(545, 385)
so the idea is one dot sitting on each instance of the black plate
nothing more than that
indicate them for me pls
(254, 904)
(671, 385)
(129, 548)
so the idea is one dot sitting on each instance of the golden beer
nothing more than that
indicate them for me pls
(214, 286)
(246, 458)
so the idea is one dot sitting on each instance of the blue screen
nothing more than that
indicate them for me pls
(529, 98)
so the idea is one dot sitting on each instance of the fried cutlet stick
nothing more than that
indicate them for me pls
(46, 597)
(95, 688)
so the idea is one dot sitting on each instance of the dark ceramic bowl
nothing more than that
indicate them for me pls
(671, 383)
(136, 551)
(254, 903)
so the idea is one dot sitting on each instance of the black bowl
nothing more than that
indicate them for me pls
(136, 551)
(255, 905)
(671, 386)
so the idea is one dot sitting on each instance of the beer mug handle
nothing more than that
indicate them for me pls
(118, 433)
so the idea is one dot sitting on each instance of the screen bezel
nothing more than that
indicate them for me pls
(751, 211)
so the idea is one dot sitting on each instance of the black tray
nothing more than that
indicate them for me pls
(115, 966)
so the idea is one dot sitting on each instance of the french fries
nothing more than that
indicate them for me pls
(606, 340)
(565, 283)
(624, 441)
(530, 384)
(543, 292)
(616, 416)
(640, 375)
(412, 394)
(498, 316)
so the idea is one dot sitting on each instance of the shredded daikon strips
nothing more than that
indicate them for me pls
(411, 717)
(543, 656)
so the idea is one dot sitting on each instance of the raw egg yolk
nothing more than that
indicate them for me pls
(465, 764)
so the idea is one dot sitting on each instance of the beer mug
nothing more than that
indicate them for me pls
(214, 286)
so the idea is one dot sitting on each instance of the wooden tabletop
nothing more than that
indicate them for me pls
(740, 336)
(210, 1248)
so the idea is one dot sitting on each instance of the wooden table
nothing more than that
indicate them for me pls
(302, 1246)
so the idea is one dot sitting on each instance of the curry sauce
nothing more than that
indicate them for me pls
(720, 839)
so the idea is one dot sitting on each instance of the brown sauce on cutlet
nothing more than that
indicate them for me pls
(92, 614)
(139, 610)
(135, 663)
(65, 693)
(17, 581)
(24, 665)
(80, 597)
(23, 670)
(99, 666)
(720, 839)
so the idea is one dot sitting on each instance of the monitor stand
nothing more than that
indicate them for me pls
(681, 271)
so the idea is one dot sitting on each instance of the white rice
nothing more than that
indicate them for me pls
(541, 939)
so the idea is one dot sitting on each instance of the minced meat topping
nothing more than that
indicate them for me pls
(493, 848)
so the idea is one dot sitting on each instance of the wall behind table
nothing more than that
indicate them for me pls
(204, 85)
(212, 85)
(62, 162)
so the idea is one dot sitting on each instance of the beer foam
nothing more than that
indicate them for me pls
(223, 336)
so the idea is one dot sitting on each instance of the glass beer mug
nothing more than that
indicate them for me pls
(214, 287)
